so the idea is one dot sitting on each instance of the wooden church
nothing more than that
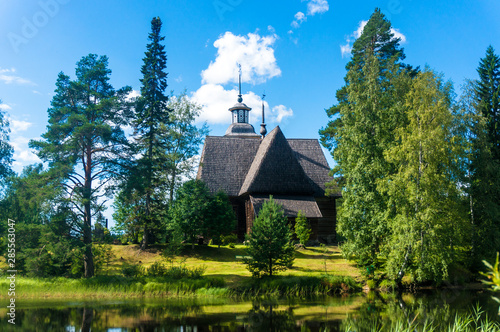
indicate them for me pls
(249, 168)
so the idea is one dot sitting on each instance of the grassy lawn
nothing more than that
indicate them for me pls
(224, 275)
(223, 262)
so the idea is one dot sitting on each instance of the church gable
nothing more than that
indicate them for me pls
(225, 162)
(276, 170)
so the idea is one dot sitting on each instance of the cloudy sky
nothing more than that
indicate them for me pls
(293, 51)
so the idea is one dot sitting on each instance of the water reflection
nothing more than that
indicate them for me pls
(325, 314)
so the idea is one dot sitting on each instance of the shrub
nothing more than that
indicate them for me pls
(132, 270)
(228, 239)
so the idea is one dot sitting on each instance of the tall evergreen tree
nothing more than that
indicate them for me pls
(369, 109)
(84, 140)
(6, 150)
(485, 161)
(488, 96)
(151, 133)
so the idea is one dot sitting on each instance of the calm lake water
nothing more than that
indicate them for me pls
(319, 314)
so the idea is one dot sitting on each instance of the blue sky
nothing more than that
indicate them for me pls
(294, 50)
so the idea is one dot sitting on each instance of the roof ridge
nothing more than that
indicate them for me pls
(259, 157)
(266, 172)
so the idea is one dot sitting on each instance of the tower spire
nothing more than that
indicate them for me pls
(263, 130)
(240, 99)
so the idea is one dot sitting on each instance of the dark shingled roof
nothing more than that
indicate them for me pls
(274, 165)
(225, 162)
(291, 205)
(275, 169)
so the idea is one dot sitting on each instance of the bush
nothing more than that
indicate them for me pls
(228, 239)
(177, 272)
(132, 270)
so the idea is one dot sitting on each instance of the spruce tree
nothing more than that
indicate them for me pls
(485, 161)
(488, 96)
(270, 246)
(151, 134)
(369, 110)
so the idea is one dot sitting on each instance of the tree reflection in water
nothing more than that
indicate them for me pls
(361, 313)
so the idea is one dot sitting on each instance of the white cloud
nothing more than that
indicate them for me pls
(22, 153)
(399, 35)
(216, 101)
(346, 49)
(317, 7)
(17, 126)
(5, 107)
(8, 77)
(278, 113)
(253, 52)
(299, 18)
(132, 95)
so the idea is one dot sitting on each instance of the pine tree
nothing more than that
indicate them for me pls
(270, 243)
(84, 141)
(151, 133)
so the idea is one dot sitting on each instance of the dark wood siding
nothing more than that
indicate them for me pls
(326, 227)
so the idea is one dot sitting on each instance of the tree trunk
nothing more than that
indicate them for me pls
(88, 259)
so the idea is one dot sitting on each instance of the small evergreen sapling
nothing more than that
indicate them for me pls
(302, 228)
(270, 244)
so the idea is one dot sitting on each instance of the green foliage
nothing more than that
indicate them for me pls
(228, 239)
(6, 150)
(84, 142)
(132, 270)
(493, 275)
(197, 213)
(184, 141)
(302, 228)
(102, 256)
(175, 272)
(146, 183)
(483, 108)
(362, 127)
(299, 286)
(270, 244)
(427, 218)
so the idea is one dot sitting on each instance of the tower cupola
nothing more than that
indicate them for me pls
(239, 117)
